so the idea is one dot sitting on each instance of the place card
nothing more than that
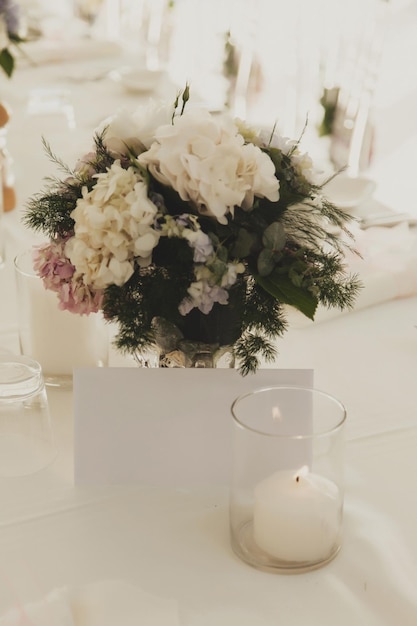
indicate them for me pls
(161, 427)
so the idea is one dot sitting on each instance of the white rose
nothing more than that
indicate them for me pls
(149, 118)
(121, 130)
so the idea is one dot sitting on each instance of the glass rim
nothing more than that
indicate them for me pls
(36, 376)
(25, 272)
(299, 436)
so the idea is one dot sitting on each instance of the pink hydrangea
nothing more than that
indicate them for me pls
(58, 274)
(51, 264)
(76, 297)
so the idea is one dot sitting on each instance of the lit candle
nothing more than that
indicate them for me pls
(297, 516)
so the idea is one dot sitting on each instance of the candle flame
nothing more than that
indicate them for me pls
(276, 414)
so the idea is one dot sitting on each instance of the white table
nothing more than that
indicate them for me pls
(174, 542)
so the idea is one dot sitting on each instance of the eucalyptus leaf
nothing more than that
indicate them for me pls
(283, 289)
(265, 262)
(221, 253)
(274, 236)
(244, 243)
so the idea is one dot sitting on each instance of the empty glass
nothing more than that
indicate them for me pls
(26, 437)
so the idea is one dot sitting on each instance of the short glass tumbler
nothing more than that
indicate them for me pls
(26, 438)
(286, 496)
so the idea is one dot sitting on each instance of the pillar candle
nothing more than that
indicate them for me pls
(297, 516)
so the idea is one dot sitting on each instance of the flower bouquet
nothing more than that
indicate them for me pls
(186, 227)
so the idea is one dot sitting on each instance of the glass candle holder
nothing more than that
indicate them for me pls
(58, 340)
(286, 496)
(26, 438)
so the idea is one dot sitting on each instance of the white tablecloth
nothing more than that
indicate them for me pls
(174, 543)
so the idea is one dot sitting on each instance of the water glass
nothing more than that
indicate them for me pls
(286, 497)
(26, 438)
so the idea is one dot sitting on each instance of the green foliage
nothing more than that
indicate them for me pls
(7, 62)
(286, 250)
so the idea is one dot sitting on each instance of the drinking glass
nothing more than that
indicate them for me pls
(286, 497)
(26, 438)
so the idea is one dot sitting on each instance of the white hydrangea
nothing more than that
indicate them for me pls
(120, 130)
(113, 227)
(205, 159)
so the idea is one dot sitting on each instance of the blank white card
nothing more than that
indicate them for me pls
(161, 427)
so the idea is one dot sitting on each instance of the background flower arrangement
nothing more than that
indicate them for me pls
(194, 221)
(9, 34)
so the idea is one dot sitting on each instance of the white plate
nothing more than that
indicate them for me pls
(349, 193)
(140, 80)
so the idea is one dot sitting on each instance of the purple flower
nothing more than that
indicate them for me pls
(11, 14)
(201, 295)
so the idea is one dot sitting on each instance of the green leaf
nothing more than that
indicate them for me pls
(282, 288)
(7, 61)
(221, 253)
(265, 262)
(244, 243)
(274, 236)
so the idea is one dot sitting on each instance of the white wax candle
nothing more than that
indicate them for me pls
(60, 340)
(297, 516)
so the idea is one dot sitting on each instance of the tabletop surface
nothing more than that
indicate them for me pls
(174, 542)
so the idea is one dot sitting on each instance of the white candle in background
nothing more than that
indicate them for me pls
(60, 340)
(297, 516)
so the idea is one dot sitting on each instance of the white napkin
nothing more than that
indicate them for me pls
(45, 51)
(112, 603)
(54, 610)
(387, 269)
(104, 603)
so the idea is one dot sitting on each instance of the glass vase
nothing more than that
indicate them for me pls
(58, 340)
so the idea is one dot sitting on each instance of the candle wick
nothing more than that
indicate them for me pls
(297, 478)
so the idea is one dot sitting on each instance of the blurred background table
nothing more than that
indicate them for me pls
(174, 542)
